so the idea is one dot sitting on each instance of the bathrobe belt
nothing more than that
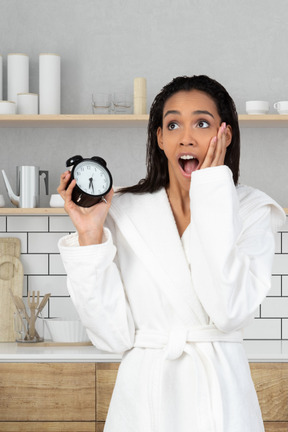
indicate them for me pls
(173, 345)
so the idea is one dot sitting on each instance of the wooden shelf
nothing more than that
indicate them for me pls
(263, 121)
(121, 121)
(32, 211)
(9, 211)
(74, 121)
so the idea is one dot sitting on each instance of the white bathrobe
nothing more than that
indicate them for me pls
(176, 308)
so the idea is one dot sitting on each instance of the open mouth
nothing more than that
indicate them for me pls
(188, 164)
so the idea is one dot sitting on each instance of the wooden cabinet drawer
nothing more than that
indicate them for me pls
(47, 392)
(106, 374)
(276, 427)
(271, 383)
(47, 427)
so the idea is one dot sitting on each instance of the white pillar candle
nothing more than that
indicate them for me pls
(27, 103)
(49, 84)
(1, 77)
(140, 97)
(17, 75)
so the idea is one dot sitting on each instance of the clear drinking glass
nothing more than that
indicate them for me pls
(101, 103)
(122, 103)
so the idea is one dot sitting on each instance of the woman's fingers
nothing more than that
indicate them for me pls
(64, 178)
(215, 155)
(210, 154)
(220, 151)
(109, 196)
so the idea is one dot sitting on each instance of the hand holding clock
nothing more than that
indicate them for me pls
(88, 221)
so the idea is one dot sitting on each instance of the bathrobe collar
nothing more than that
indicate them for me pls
(148, 223)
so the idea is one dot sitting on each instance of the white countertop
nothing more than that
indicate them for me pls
(257, 351)
(19, 353)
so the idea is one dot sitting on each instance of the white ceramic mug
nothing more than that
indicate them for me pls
(281, 107)
(257, 107)
(7, 107)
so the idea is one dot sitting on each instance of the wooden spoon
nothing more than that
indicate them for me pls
(33, 304)
(42, 304)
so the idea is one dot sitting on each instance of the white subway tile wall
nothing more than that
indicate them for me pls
(44, 271)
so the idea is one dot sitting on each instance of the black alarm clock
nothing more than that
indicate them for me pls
(93, 180)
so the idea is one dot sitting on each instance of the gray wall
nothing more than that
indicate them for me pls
(105, 44)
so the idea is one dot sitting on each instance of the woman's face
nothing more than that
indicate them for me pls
(190, 121)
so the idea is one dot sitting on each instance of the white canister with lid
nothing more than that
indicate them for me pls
(27, 103)
(49, 84)
(17, 75)
(7, 107)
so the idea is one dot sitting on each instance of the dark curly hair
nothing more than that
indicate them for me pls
(157, 165)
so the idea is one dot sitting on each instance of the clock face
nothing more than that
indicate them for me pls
(91, 177)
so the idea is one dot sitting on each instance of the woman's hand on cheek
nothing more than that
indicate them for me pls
(217, 149)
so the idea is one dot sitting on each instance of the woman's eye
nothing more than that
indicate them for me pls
(203, 124)
(172, 126)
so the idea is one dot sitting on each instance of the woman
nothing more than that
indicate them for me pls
(178, 270)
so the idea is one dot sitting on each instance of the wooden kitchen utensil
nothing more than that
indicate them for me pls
(42, 304)
(33, 304)
(19, 309)
(34, 314)
(20, 306)
(7, 308)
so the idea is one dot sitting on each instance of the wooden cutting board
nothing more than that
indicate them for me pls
(15, 283)
(9, 246)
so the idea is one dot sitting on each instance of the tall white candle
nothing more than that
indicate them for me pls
(49, 84)
(17, 75)
(1, 77)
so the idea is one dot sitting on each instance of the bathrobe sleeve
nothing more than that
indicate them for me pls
(96, 289)
(232, 246)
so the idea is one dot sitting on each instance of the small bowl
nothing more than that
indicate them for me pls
(61, 330)
(56, 201)
(257, 107)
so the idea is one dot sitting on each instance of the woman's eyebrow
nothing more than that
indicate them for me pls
(171, 112)
(194, 112)
(203, 112)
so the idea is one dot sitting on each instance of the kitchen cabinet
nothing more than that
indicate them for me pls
(106, 374)
(271, 383)
(55, 397)
(47, 397)
(72, 397)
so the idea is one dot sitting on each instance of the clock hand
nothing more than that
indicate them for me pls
(91, 185)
